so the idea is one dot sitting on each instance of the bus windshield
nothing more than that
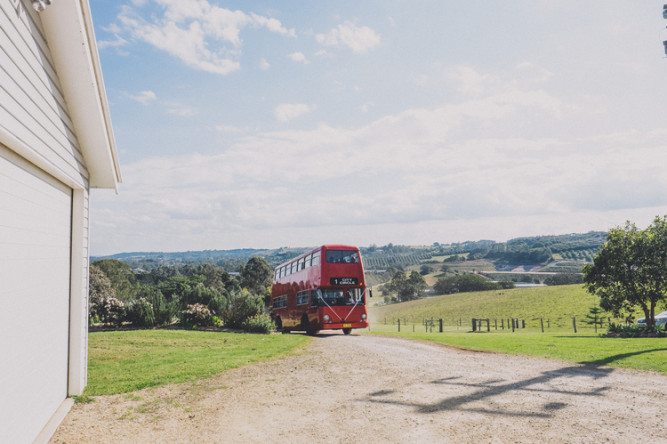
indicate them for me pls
(339, 296)
(342, 257)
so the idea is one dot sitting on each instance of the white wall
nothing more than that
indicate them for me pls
(37, 131)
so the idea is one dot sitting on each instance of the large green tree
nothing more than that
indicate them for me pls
(405, 288)
(256, 275)
(630, 269)
(122, 278)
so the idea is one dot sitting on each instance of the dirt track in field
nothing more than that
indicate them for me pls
(363, 388)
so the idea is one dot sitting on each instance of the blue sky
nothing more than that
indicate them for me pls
(295, 123)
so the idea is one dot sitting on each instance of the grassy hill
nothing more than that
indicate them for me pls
(557, 304)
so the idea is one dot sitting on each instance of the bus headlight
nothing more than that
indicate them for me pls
(326, 318)
(363, 316)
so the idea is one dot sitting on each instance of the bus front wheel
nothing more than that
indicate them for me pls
(347, 331)
(279, 323)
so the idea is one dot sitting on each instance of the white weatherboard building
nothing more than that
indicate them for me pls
(56, 143)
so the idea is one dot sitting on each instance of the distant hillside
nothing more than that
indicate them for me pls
(536, 250)
(230, 260)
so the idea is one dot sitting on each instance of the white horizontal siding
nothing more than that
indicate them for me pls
(32, 107)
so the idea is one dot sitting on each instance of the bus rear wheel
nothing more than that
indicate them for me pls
(279, 324)
(347, 331)
(305, 326)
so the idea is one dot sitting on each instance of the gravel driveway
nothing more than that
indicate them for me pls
(371, 389)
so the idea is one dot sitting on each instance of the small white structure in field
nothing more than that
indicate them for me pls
(56, 143)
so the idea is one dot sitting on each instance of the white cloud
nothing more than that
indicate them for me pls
(179, 109)
(204, 36)
(264, 65)
(358, 39)
(289, 111)
(470, 81)
(298, 57)
(144, 97)
(118, 42)
(413, 167)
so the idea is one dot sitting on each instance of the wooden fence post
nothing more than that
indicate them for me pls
(523, 323)
(399, 325)
(542, 324)
(440, 325)
(488, 324)
(574, 323)
(513, 324)
(474, 324)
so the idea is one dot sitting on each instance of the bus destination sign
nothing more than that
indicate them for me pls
(343, 281)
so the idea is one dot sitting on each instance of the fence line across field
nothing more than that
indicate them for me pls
(480, 324)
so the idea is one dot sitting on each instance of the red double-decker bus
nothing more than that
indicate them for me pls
(323, 289)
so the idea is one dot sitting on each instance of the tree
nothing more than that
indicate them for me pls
(465, 283)
(564, 279)
(99, 289)
(425, 269)
(256, 275)
(631, 269)
(404, 288)
(594, 317)
(121, 276)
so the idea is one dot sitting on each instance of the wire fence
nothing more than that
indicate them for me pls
(509, 324)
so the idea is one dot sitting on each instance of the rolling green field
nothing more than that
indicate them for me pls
(557, 305)
(125, 361)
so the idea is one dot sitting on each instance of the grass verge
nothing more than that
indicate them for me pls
(587, 348)
(125, 361)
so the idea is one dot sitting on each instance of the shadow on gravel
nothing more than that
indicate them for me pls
(495, 388)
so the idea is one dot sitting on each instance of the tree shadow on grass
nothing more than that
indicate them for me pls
(610, 359)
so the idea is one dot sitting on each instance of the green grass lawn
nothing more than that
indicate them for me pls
(584, 347)
(555, 305)
(124, 361)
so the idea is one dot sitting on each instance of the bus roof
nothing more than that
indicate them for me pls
(321, 247)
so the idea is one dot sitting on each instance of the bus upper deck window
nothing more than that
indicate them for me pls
(342, 257)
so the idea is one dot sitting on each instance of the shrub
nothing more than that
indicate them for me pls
(634, 331)
(260, 323)
(196, 315)
(111, 311)
(218, 305)
(198, 294)
(506, 285)
(140, 313)
(164, 312)
(242, 306)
